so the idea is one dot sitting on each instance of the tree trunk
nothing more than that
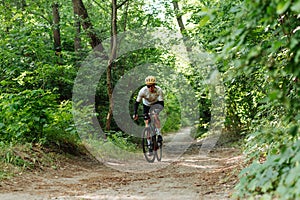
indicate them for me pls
(181, 25)
(125, 17)
(110, 62)
(87, 25)
(179, 17)
(77, 25)
(56, 29)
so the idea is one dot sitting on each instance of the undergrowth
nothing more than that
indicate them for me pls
(18, 158)
(273, 171)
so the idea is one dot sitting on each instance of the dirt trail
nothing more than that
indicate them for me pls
(179, 176)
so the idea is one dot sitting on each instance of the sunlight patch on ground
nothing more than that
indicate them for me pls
(200, 166)
(110, 197)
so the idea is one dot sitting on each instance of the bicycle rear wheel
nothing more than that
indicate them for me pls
(148, 149)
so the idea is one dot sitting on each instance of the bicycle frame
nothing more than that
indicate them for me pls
(150, 134)
(152, 122)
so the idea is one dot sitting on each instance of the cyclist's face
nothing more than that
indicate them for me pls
(151, 87)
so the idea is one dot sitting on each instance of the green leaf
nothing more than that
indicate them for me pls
(293, 130)
(266, 197)
(296, 158)
(204, 21)
(294, 43)
(2, 125)
(254, 52)
(274, 95)
(266, 186)
(297, 57)
(283, 6)
(252, 185)
(293, 176)
(296, 7)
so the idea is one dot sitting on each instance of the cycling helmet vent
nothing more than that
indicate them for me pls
(150, 80)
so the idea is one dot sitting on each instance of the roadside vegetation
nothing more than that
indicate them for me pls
(255, 46)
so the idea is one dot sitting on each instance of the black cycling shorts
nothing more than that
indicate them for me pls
(156, 107)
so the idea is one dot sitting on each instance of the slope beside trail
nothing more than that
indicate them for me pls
(182, 175)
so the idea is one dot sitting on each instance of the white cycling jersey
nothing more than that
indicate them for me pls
(149, 98)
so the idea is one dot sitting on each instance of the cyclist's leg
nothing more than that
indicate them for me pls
(146, 110)
(158, 131)
(157, 121)
(157, 108)
(146, 120)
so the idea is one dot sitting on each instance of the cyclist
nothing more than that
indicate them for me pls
(153, 101)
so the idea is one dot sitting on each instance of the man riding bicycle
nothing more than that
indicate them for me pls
(153, 101)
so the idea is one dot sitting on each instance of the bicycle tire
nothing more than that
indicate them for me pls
(150, 158)
(158, 152)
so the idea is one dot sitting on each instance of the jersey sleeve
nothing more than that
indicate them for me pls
(160, 95)
(140, 96)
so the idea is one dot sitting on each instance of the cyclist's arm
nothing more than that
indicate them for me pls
(138, 100)
(160, 95)
(136, 105)
(160, 98)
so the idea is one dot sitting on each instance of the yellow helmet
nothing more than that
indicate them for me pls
(150, 80)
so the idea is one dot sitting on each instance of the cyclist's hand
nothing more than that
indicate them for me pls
(135, 117)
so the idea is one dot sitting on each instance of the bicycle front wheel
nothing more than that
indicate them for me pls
(148, 145)
(158, 151)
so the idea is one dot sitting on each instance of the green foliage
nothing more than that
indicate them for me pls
(277, 177)
(212, 20)
(23, 115)
(264, 43)
(61, 130)
(243, 98)
(118, 145)
(171, 114)
(34, 79)
(122, 141)
(256, 44)
(9, 155)
(33, 116)
(274, 141)
(58, 78)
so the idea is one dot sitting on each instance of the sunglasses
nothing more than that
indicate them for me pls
(149, 86)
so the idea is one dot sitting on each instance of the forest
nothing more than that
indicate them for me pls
(71, 70)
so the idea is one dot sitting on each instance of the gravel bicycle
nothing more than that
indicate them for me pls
(151, 141)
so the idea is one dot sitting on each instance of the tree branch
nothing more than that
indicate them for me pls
(98, 4)
(119, 6)
(40, 15)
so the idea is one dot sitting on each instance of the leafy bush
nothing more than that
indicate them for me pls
(122, 141)
(61, 130)
(23, 115)
(273, 145)
(36, 116)
(171, 114)
(277, 177)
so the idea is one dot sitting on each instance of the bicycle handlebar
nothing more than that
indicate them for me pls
(154, 112)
